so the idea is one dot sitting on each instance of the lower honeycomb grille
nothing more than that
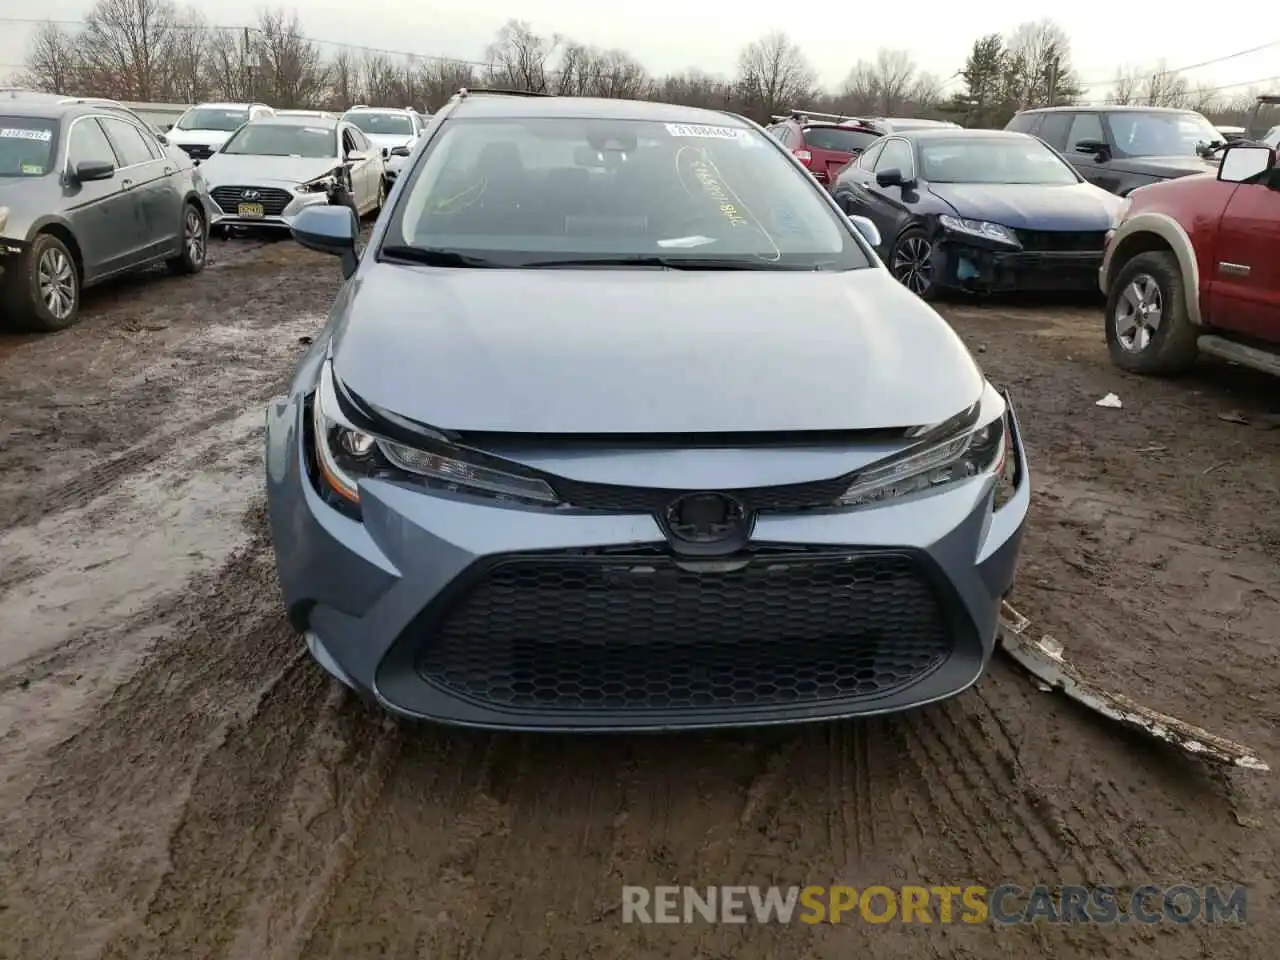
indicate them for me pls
(642, 633)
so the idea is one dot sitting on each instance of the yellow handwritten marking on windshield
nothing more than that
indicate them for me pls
(706, 176)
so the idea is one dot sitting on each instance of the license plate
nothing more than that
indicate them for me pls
(251, 210)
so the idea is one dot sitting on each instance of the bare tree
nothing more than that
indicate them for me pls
(125, 47)
(441, 79)
(295, 74)
(345, 80)
(695, 89)
(1204, 98)
(1163, 88)
(382, 80)
(1042, 52)
(189, 57)
(773, 74)
(1125, 89)
(232, 60)
(860, 91)
(518, 58)
(53, 63)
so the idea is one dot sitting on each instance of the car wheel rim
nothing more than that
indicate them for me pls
(195, 237)
(1138, 313)
(913, 264)
(57, 279)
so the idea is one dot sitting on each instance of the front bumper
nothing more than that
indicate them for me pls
(969, 267)
(282, 220)
(467, 613)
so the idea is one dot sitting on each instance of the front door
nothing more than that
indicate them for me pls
(1244, 294)
(103, 214)
(154, 184)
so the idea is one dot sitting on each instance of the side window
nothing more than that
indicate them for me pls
(1053, 130)
(349, 140)
(869, 157)
(129, 142)
(362, 142)
(1086, 126)
(1024, 122)
(88, 144)
(897, 155)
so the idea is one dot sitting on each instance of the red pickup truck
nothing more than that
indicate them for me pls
(1193, 266)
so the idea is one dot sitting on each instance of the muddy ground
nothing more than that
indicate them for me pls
(179, 780)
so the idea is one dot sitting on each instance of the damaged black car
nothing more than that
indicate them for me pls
(984, 211)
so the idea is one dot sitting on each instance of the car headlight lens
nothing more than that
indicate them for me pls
(319, 184)
(980, 228)
(345, 454)
(986, 450)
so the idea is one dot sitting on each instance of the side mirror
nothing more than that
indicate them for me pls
(867, 228)
(1244, 162)
(390, 173)
(166, 127)
(399, 151)
(1095, 147)
(89, 171)
(890, 178)
(355, 156)
(332, 230)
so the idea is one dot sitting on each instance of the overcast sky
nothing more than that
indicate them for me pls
(674, 34)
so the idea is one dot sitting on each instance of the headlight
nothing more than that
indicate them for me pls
(346, 454)
(319, 184)
(986, 450)
(980, 228)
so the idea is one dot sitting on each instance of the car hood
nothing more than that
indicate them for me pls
(1174, 166)
(227, 168)
(210, 138)
(1078, 206)
(610, 351)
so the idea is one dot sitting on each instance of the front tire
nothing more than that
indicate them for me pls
(912, 263)
(42, 290)
(1148, 328)
(195, 243)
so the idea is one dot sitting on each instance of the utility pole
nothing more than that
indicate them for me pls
(248, 65)
(1053, 81)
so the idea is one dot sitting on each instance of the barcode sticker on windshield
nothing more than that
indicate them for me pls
(21, 133)
(707, 132)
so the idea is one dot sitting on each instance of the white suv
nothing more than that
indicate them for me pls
(393, 131)
(207, 126)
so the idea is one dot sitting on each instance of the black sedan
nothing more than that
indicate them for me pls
(978, 210)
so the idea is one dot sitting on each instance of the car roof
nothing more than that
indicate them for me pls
(1108, 108)
(586, 108)
(924, 134)
(226, 106)
(295, 121)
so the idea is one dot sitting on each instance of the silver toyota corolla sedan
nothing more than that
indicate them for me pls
(270, 170)
(618, 423)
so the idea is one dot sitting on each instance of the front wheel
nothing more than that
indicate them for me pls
(42, 289)
(1148, 328)
(912, 265)
(195, 236)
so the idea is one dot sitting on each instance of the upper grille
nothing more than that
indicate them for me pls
(273, 199)
(611, 498)
(637, 633)
(1062, 241)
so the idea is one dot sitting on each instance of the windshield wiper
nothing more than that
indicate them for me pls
(672, 263)
(434, 257)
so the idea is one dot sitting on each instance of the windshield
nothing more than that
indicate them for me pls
(839, 138)
(211, 118)
(520, 191)
(1137, 133)
(383, 124)
(1021, 160)
(27, 146)
(1272, 138)
(284, 140)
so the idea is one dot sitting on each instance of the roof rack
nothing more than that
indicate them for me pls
(797, 114)
(498, 91)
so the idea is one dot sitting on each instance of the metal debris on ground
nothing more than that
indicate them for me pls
(1045, 660)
